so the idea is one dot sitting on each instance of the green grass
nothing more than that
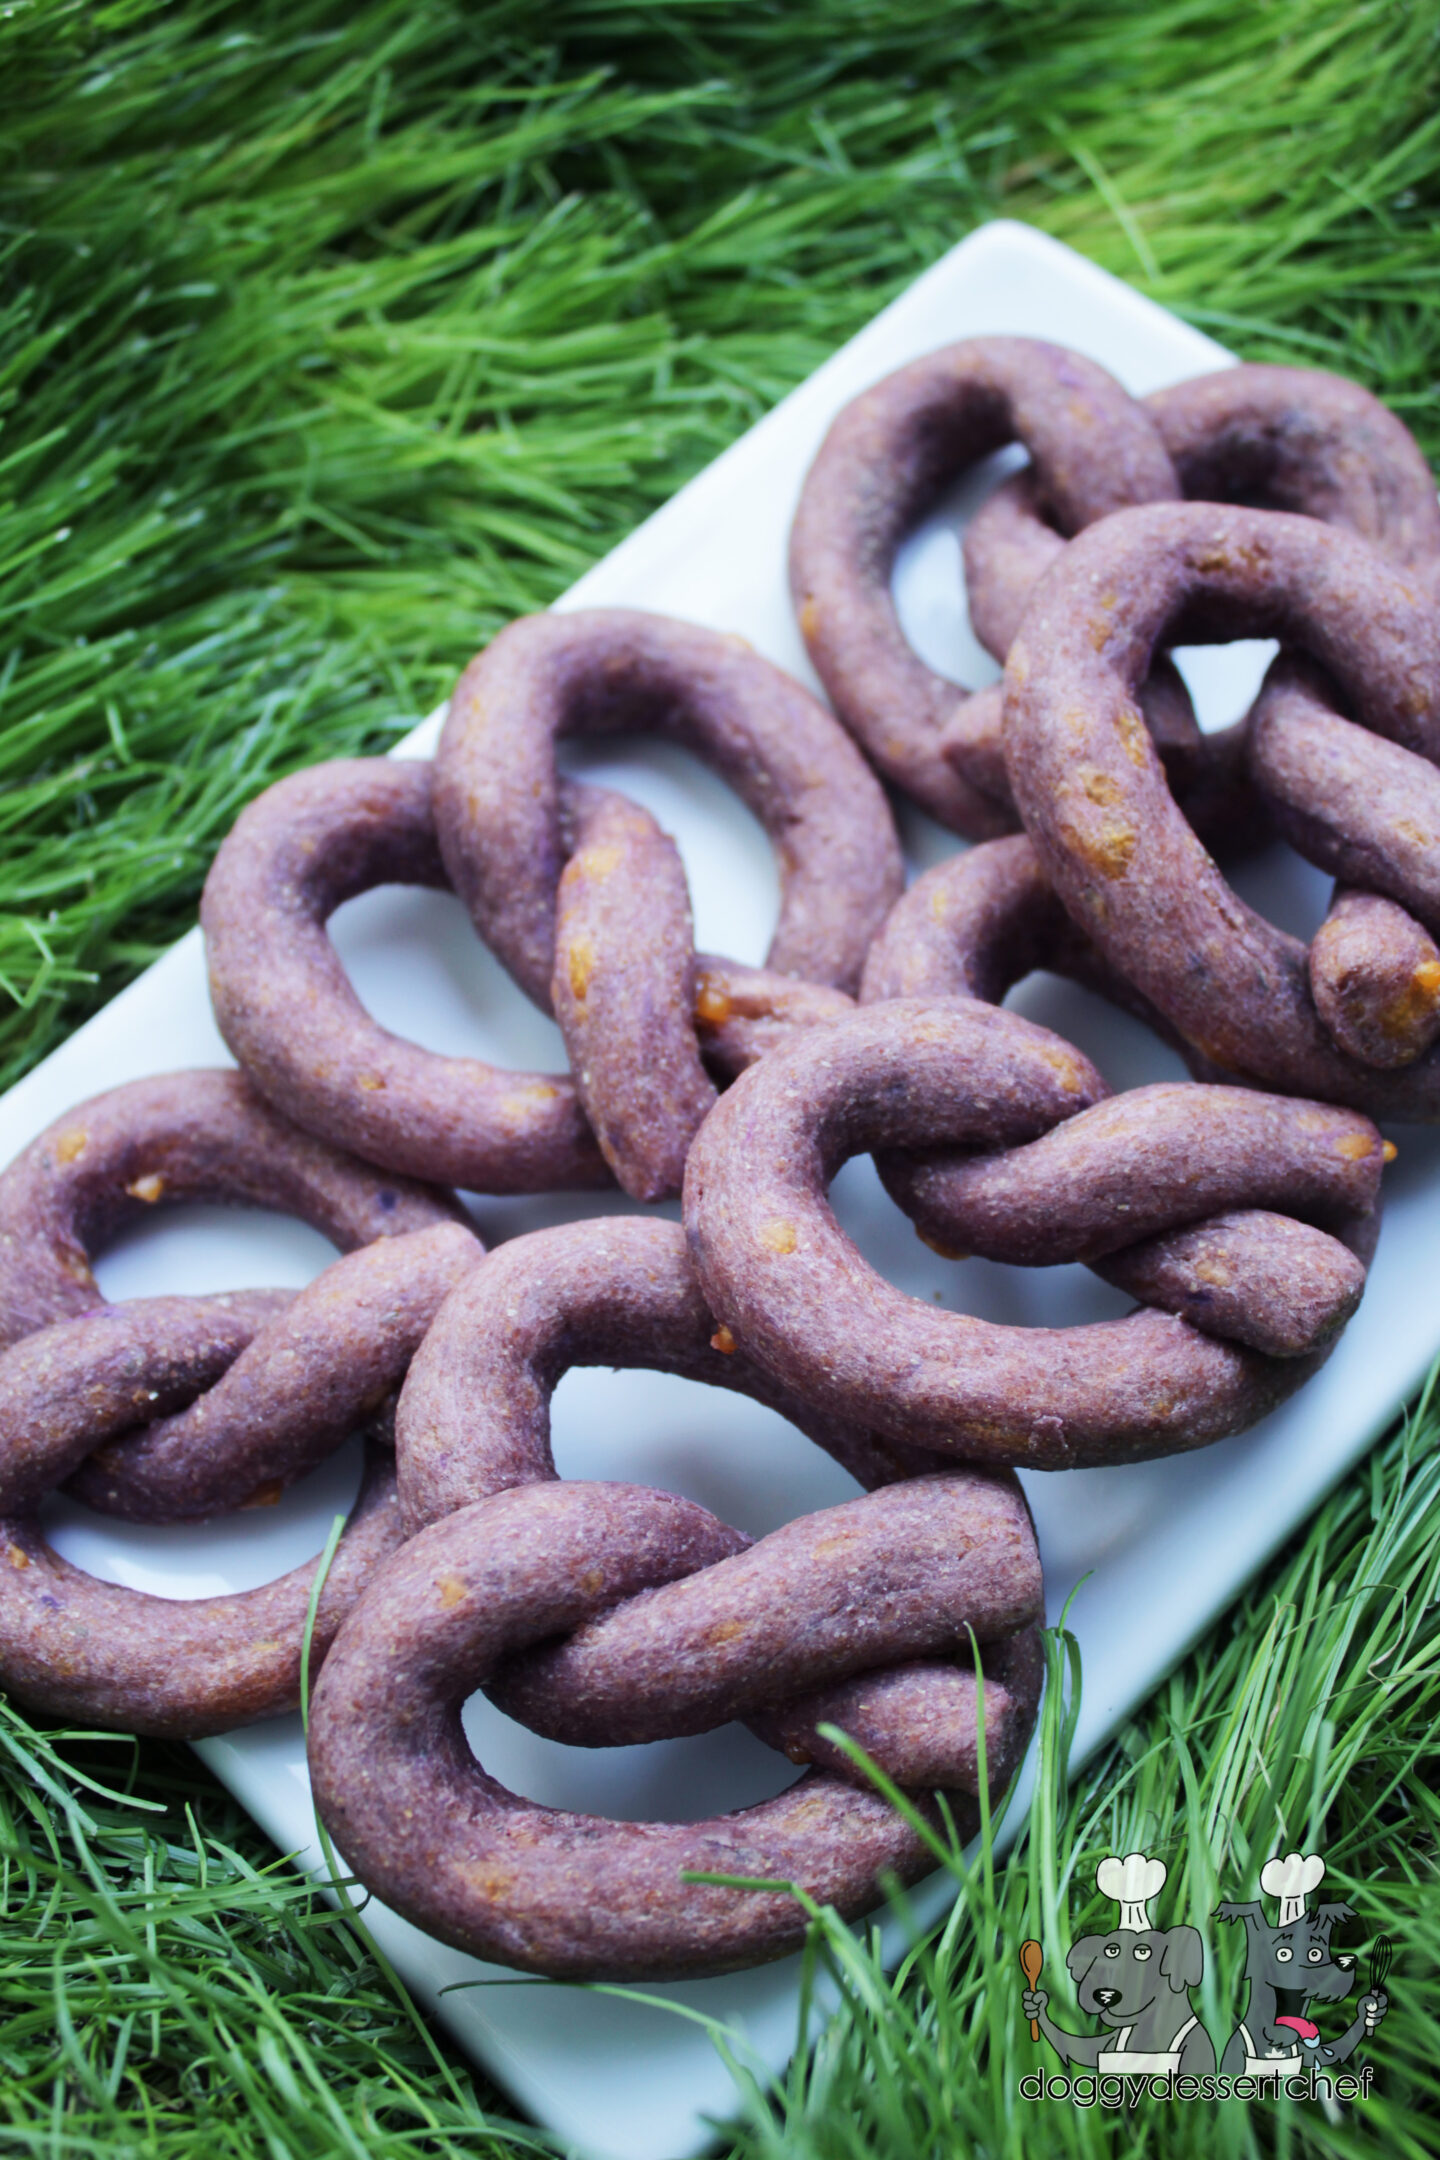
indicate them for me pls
(330, 338)
(1308, 1717)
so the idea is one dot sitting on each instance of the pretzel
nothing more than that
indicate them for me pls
(1206, 772)
(977, 924)
(1369, 811)
(1292, 438)
(324, 1363)
(1285, 438)
(72, 1645)
(1375, 979)
(594, 922)
(1130, 871)
(582, 1898)
(202, 1135)
(1298, 439)
(325, 1367)
(607, 1614)
(171, 1407)
(885, 462)
(285, 1006)
(474, 1414)
(796, 1297)
(742, 1012)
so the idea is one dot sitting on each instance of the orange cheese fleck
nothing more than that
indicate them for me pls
(581, 967)
(712, 1007)
(520, 1101)
(1134, 735)
(598, 861)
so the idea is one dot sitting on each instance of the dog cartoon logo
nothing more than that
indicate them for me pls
(1136, 1980)
(1290, 1966)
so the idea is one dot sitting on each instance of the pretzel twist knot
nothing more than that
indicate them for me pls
(1292, 439)
(1353, 1017)
(1280, 438)
(886, 461)
(1168, 1191)
(164, 1409)
(583, 898)
(610, 1614)
(286, 1007)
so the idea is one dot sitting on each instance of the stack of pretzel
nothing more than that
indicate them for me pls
(1239, 1210)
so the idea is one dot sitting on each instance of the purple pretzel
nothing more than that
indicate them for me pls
(325, 1367)
(285, 1006)
(885, 462)
(1368, 811)
(1291, 438)
(203, 1135)
(1128, 868)
(607, 1614)
(313, 1367)
(1282, 437)
(74, 1646)
(168, 1407)
(623, 1571)
(590, 912)
(974, 926)
(797, 1298)
(1288, 438)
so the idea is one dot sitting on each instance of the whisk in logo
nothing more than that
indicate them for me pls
(1138, 1981)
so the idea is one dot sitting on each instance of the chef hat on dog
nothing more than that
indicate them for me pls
(1132, 1882)
(1291, 1880)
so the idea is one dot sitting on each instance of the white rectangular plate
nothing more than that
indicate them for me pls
(1162, 1547)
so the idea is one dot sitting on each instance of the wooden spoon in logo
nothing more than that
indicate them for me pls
(1032, 1957)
